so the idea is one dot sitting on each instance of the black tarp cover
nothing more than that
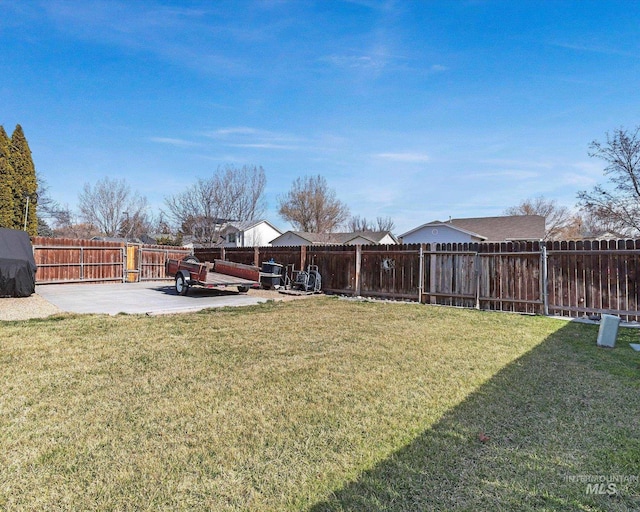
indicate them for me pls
(17, 265)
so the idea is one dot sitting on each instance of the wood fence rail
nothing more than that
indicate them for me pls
(567, 278)
(66, 260)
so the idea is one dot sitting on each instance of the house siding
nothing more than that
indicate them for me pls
(359, 241)
(388, 240)
(438, 234)
(259, 235)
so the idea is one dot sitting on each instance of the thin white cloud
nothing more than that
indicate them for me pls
(377, 56)
(265, 145)
(256, 138)
(407, 157)
(517, 163)
(179, 35)
(365, 62)
(513, 174)
(235, 130)
(244, 132)
(174, 142)
(592, 168)
(580, 181)
(590, 48)
(587, 175)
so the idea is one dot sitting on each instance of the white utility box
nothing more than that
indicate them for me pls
(608, 331)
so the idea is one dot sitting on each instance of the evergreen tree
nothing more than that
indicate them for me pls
(44, 229)
(6, 181)
(26, 184)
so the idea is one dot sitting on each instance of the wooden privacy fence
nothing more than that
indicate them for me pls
(560, 278)
(63, 260)
(571, 279)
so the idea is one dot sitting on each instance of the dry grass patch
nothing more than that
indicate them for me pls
(325, 403)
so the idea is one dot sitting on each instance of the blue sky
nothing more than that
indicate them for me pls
(413, 110)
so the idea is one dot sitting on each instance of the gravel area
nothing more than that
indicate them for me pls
(24, 308)
(276, 295)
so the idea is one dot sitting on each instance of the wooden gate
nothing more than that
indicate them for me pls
(489, 276)
(133, 262)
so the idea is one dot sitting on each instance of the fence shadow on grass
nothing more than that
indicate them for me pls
(524, 441)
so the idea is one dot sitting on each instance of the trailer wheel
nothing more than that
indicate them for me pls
(315, 281)
(243, 289)
(191, 259)
(181, 285)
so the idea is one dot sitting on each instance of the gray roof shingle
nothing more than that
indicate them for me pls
(496, 229)
(341, 238)
(499, 229)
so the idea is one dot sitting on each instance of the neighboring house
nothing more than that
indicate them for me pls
(296, 238)
(481, 229)
(249, 233)
(191, 242)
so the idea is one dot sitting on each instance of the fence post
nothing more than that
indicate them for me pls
(358, 269)
(421, 274)
(303, 256)
(256, 256)
(477, 276)
(544, 277)
(432, 275)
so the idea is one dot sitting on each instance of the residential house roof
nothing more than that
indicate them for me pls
(245, 225)
(375, 237)
(341, 238)
(495, 229)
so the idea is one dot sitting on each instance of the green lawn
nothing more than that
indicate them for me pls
(321, 404)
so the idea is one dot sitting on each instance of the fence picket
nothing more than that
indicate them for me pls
(561, 278)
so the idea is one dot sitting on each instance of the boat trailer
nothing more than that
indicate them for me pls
(190, 272)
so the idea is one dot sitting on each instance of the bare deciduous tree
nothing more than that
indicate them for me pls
(243, 189)
(357, 223)
(585, 225)
(231, 193)
(557, 218)
(73, 230)
(312, 207)
(617, 205)
(113, 208)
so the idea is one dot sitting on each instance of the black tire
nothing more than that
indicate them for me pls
(182, 287)
(191, 259)
(243, 289)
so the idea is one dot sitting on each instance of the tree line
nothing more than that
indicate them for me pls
(18, 183)
(110, 208)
